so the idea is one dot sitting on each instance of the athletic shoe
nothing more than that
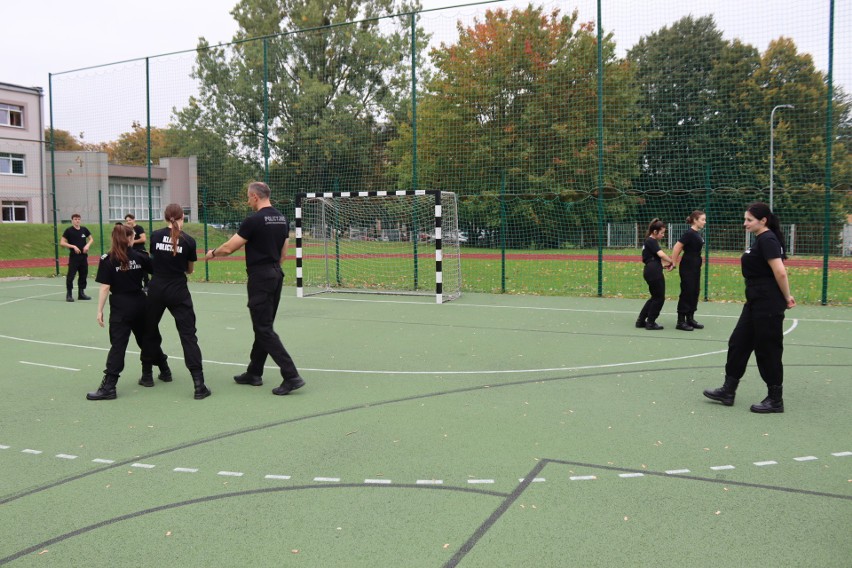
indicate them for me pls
(248, 379)
(289, 385)
(146, 380)
(695, 324)
(640, 324)
(683, 326)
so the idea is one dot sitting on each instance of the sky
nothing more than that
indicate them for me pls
(55, 36)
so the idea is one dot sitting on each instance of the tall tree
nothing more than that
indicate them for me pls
(513, 103)
(331, 85)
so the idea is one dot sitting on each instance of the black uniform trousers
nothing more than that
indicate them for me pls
(78, 265)
(264, 295)
(165, 293)
(690, 284)
(760, 329)
(126, 316)
(653, 274)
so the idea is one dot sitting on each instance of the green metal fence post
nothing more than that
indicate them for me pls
(826, 236)
(148, 143)
(503, 231)
(707, 237)
(600, 153)
(265, 113)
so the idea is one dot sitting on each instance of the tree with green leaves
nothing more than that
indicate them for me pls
(513, 105)
(316, 92)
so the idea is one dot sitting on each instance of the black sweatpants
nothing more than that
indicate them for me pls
(690, 285)
(653, 274)
(78, 265)
(171, 294)
(126, 316)
(264, 295)
(760, 329)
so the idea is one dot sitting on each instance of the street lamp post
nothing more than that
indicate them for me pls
(772, 153)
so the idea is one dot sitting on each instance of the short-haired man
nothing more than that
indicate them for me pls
(264, 234)
(77, 239)
(139, 239)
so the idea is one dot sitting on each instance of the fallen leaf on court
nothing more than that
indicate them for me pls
(718, 512)
(168, 533)
(446, 546)
(352, 432)
(43, 551)
(625, 518)
(295, 551)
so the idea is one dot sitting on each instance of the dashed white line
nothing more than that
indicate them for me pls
(841, 454)
(272, 476)
(583, 477)
(143, 465)
(186, 469)
(230, 473)
(805, 458)
(535, 480)
(476, 481)
(28, 451)
(721, 467)
(637, 474)
(66, 456)
(676, 471)
(327, 479)
(430, 482)
(4, 447)
(101, 460)
(378, 481)
(768, 462)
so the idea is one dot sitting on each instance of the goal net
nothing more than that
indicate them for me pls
(378, 242)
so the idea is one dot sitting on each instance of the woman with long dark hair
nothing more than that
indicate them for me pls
(120, 276)
(655, 260)
(173, 255)
(690, 244)
(760, 328)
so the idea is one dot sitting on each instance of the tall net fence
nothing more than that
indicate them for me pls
(561, 132)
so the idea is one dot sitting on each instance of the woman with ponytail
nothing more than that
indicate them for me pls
(760, 328)
(173, 254)
(690, 244)
(654, 259)
(120, 276)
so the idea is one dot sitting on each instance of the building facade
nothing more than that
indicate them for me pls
(23, 192)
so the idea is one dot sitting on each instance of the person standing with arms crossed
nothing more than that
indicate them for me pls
(120, 276)
(760, 328)
(654, 259)
(78, 239)
(264, 234)
(690, 244)
(139, 239)
(173, 256)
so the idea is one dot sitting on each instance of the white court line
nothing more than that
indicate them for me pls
(271, 476)
(143, 465)
(721, 467)
(378, 481)
(27, 298)
(841, 454)
(186, 469)
(805, 458)
(231, 473)
(66, 456)
(583, 477)
(631, 475)
(768, 462)
(676, 471)
(48, 366)
(429, 482)
(476, 481)
(328, 479)
(33, 452)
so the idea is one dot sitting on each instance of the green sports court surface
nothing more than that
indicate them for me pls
(495, 430)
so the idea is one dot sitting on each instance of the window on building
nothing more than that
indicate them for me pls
(11, 115)
(14, 211)
(11, 164)
(127, 198)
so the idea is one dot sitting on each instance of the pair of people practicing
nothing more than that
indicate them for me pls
(686, 256)
(121, 274)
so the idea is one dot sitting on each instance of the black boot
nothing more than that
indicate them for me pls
(690, 319)
(653, 326)
(772, 403)
(147, 378)
(69, 297)
(201, 390)
(106, 391)
(248, 379)
(289, 385)
(640, 323)
(724, 394)
(82, 296)
(682, 324)
(165, 372)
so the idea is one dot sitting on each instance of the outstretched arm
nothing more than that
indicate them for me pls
(233, 244)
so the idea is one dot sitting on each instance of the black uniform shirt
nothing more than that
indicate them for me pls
(77, 237)
(650, 249)
(692, 242)
(755, 260)
(123, 281)
(166, 263)
(137, 231)
(265, 231)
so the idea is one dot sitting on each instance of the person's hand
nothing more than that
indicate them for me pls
(100, 318)
(86, 249)
(76, 250)
(791, 302)
(209, 255)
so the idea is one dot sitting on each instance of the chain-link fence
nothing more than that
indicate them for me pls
(562, 135)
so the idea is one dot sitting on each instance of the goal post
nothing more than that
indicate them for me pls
(378, 242)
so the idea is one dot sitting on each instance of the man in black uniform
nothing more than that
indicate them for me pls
(78, 240)
(264, 235)
(139, 239)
